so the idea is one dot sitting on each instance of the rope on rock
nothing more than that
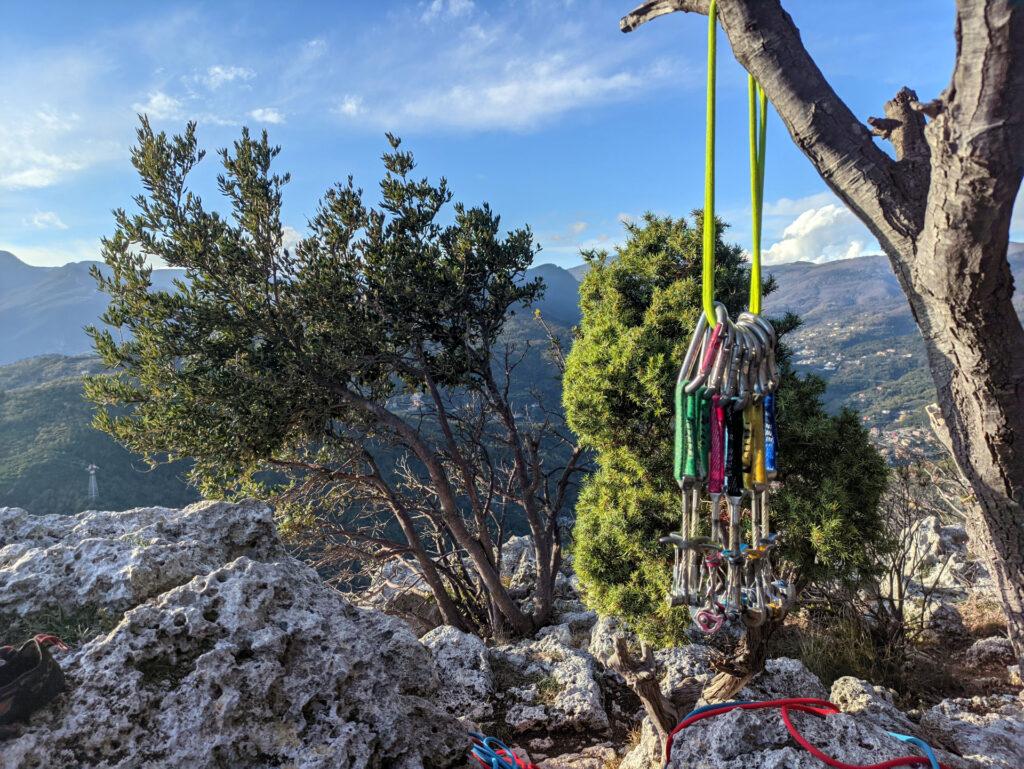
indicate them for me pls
(820, 708)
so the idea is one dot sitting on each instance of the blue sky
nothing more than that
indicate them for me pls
(542, 108)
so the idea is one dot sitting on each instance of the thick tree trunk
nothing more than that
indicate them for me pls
(941, 212)
(747, 661)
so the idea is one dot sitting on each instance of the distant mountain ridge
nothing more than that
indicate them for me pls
(44, 310)
(858, 331)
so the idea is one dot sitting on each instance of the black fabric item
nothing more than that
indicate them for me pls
(30, 679)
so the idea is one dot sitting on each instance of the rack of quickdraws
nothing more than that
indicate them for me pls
(726, 443)
(726, 447)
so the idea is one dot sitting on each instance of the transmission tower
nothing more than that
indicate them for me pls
(94, 490)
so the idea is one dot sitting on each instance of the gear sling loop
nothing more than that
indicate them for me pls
(725, 436)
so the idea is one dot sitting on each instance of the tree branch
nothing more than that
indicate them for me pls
(767, 44)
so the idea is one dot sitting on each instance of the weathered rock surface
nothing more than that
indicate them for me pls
(398, 589)
(757, 739)
(989, 651)
(548, 684)
(873, 703)
(593, 757)
(114, 561)
(467, 682)
(784, 677)
(682, 663)
(253, 663)
(987, 730)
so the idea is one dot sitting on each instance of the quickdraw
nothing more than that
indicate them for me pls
(820, 708)
(725, 436)
(492, 753)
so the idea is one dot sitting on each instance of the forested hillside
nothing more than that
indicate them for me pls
(46, 444)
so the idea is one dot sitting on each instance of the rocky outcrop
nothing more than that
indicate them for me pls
(399, 589)
(250, 663)
(784, 677)
(114, 561)
(467, 682)
(757, 739)
(995, 650)
(989, 731)
(873, 703)
(548, 684)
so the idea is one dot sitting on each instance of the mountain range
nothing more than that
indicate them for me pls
(857, 333)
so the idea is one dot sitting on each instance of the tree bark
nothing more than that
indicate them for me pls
(641, 675)
(746, 662)
(941, 212)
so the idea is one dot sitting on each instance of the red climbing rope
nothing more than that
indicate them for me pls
(820, 708)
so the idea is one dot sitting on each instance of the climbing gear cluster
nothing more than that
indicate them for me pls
(725, 442)
(492, 753)
(726, 448)
(816, 707)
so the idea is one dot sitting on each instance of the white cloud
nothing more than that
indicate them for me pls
(159, 106)
(822, 234)
(796, 206)
(571, 233)
(218, 75)
(522, 94)
(41, 147)
(267, 115)
(349, 106)
(47, 220)
(290, 238)
(452, 9)
(313, 49)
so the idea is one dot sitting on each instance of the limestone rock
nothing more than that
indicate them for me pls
(519, 563)
(255, 664)
(784, 677)
(648, 753)
(757, 739)
(988, 651)
(397, 588)
(602, 638)
(467, 682)
(874, 703)
(944, 619)
(987, 730)
(592, 757)
(114, 561)
(681, 663)
(548, 684)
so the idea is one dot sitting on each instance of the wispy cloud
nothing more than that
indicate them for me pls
(49, 129)
(500, 71)
(47, 220)
(452, 9)
(159, 105)
(349, 106)
(218, 75)
(267, 115)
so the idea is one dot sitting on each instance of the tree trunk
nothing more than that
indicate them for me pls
(941, 212)
(746, 662)
(641, 675)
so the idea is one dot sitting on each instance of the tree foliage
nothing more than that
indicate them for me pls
(364, 366)
(639, 311)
